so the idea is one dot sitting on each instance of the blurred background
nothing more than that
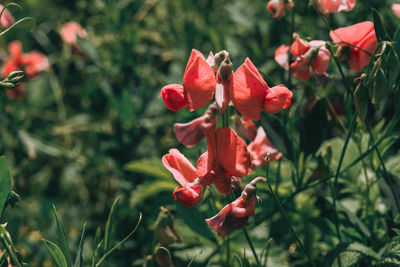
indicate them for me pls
(93, 127)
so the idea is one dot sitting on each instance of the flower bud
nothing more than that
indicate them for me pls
(277, 98)
(189, 196)
(174, 97)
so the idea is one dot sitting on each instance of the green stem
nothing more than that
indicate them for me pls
(251, 245)
(384, 170)
(287, 219)
(335, 183)
(10, 252)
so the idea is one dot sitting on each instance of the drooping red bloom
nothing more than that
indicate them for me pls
(309, 57)
(226, 156)
(190, 191)
(236, 214)
(396, 10)
(192, 132)
(6, 19)
(174, 97)
(278, 8)
(331, 6)
(261, 147)
(32, 63)
(356, 43)
(250, 94)
(71, 30)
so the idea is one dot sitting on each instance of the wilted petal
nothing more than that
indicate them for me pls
(245, 128)
(198, 81)
(248, 90)
(279, 97)
(261, 147)
(189, 134)
(180, 167)
(174, 97)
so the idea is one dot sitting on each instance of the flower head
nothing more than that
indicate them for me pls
(261, 147)
(249, 92)
(278, 8)
(226, 156)
(396, 10)
(357, 42)
(236, 214)
(190, 191)
(6, 19)
(71, 30)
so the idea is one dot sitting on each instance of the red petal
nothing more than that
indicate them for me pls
(352, 34)
(299, 46)
(279, 97)
(282, 56)
(174, 97)
(222, 95)
(198, 82)
(180, 167)
(248, 90)
(189, 196)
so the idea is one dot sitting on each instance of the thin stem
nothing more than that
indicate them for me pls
(10, 251)
(228, 252)
(287, 219)
(251, 245)
(384, 170)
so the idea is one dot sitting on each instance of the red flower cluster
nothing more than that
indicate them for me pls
(32, 63)
(309, 57)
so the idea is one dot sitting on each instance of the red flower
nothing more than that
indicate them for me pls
(71, 30)
(226, 156)
(362, 40)
(190, 191)
(261, 147)
(192, 132)
(6, 19)
(249, 92)
(277, 98)
(396, 10)
(236, 214)
(282, 56)
(32, 62)
(331, 6)
(174, 97)
(277, 8)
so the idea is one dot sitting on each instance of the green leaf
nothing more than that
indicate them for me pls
(150, 167)
(55, 253)
(361, 101)
(396, 40)
(277, 134)
(380, 31)
(194, 219)
(62, 238)
(109, 225)
(148, 190)
(79, 257)
(391, 256)
(351, 254)
(5, 183)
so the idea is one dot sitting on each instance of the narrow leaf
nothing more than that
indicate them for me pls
(55, 253)
(109, 225)
(62, 238)
(380, 31)
(79, 257)
(5, 183)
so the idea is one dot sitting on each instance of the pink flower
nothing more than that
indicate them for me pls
(70, 31)
(192, 132)
(226, 156)
(356, 43)
(396, 10)
(331, 6)
(261, 147)
(278, 8)
(6, 19)
(250, 93)
(282, 56)
(236, 214)
(190, 191)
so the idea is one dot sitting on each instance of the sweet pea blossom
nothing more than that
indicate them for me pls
(331, 6)
(309, 57)
(396, 10)
(6, 19)
(226, 156)
(356, 43)
(236, 214)
(192, 132)
(190, 191)
(261, 147)
(71, 30)
(32, 63)
(250, 94)
(278, 8)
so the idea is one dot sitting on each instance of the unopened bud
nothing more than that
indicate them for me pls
(14, 74)
(225, 70)
(219, 58)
